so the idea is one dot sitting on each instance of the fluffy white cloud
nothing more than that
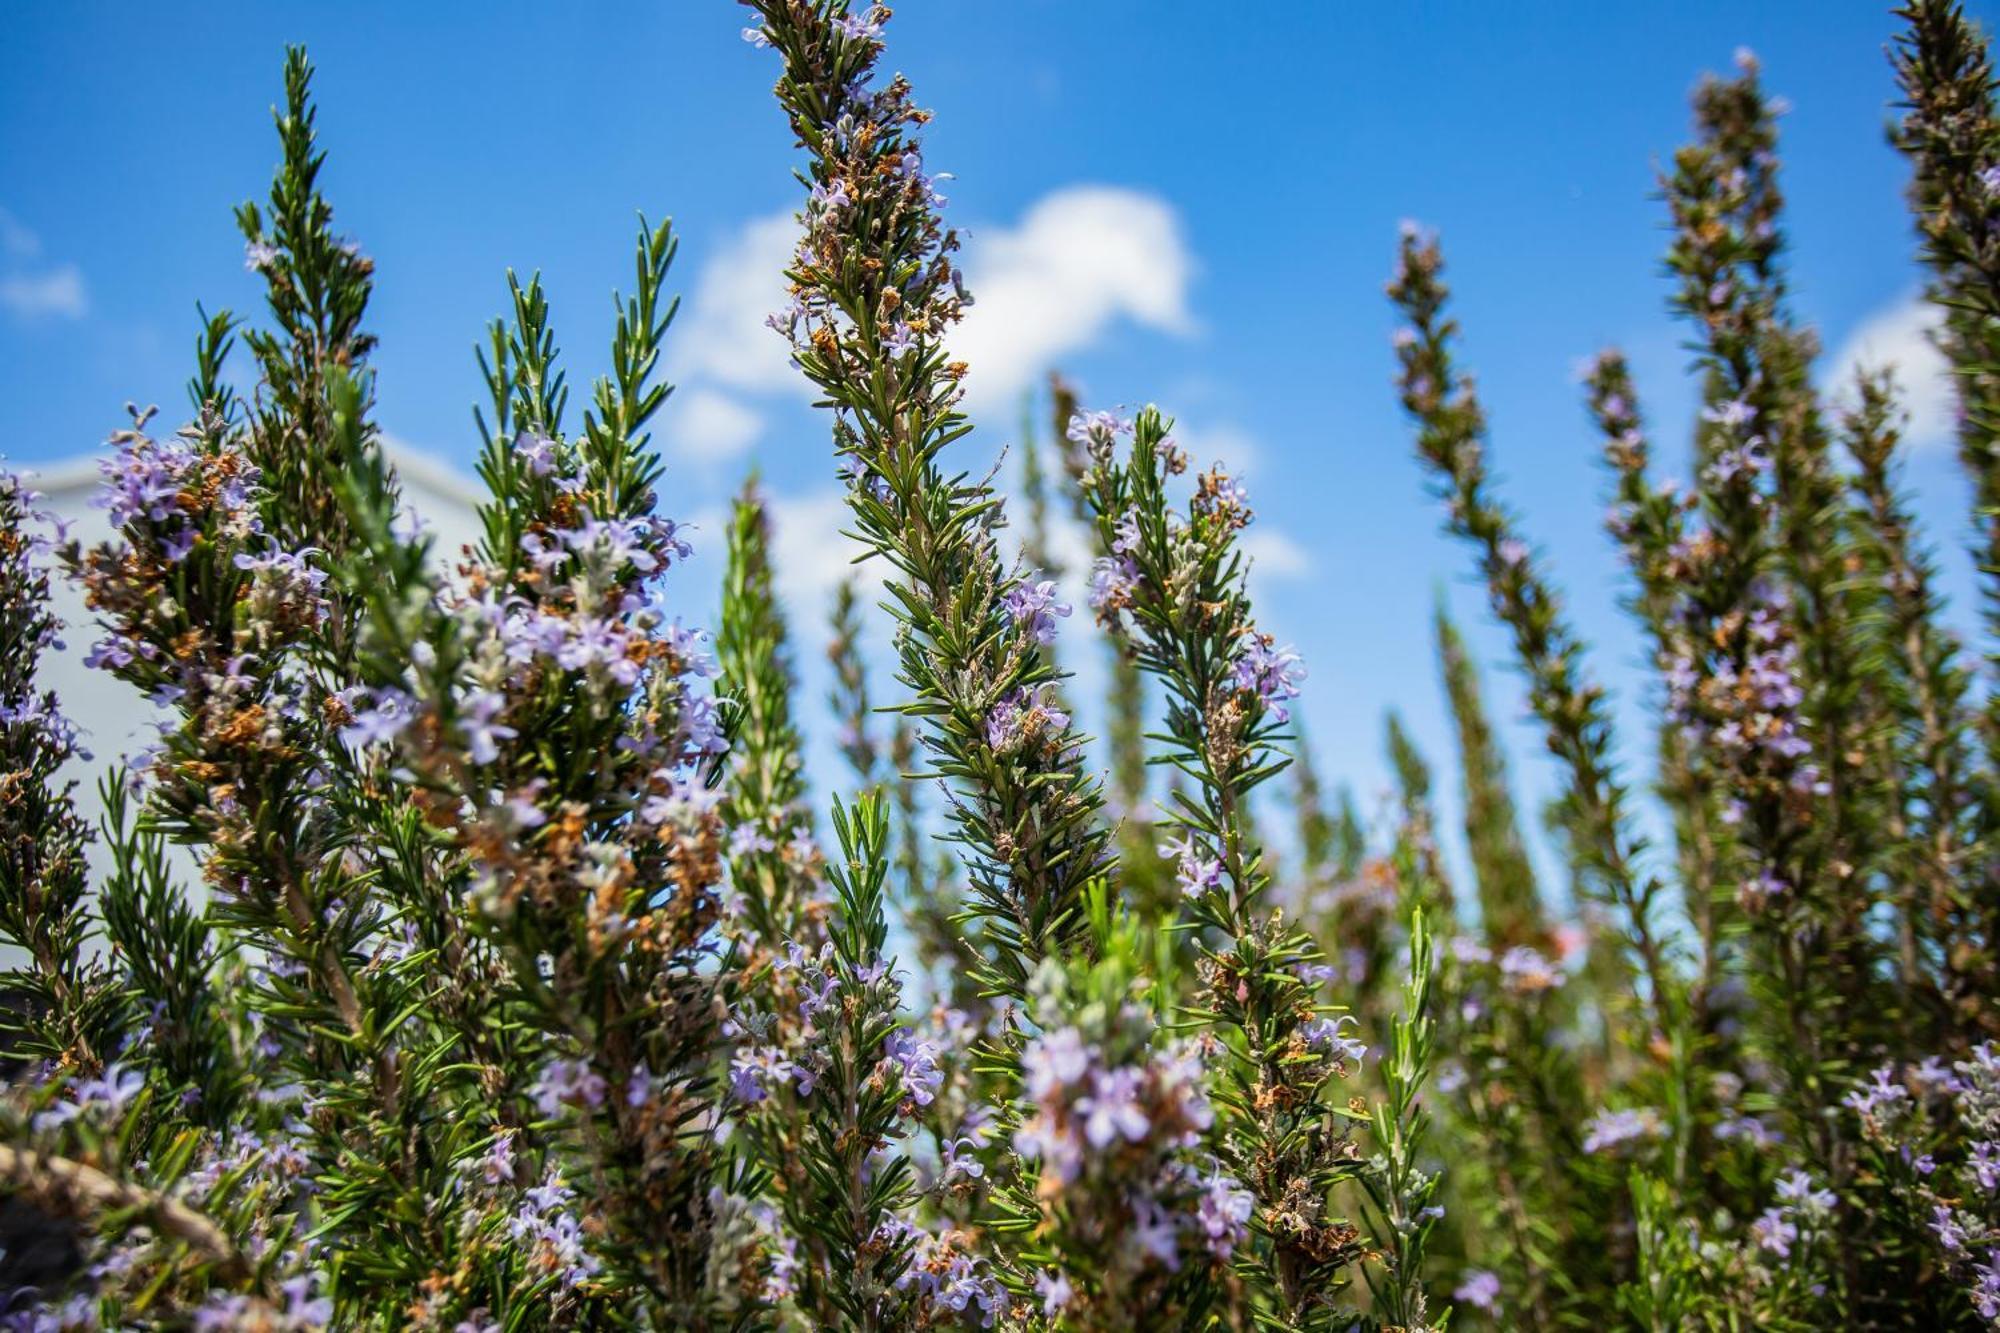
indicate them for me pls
(1899, 337)
(1083, 258)
(1273, 555)
(29, 289)
(724, 337)
(57, 292)
(710, 427)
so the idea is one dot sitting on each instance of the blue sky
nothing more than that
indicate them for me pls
(1188, 204)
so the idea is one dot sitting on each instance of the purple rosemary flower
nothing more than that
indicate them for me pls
(1272, 674)
(1479, 1288)
(1774, 1232)
(1055, 1289)
(1224, 1213)
(1112, 1109)
(1032, 606)
(1195, 871)
(1612, 1131)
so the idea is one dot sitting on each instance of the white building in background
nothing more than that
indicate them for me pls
(116, 720)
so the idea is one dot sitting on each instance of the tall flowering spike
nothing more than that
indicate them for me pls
(1510, 906)
(594, 888)
(1930, 765)
(1170, 581)
(317, 284)
(1451, 440)
(1400, 1190)
(875, 293)
(1650, 525)
(772, 861)
(1950, 132)
(68, 1011)
(862, 1077)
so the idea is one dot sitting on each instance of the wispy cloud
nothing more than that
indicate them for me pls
(1082, 259)
(707, 426)
(30, 289)
(724, 338)
(1899, 337)
(53, 293)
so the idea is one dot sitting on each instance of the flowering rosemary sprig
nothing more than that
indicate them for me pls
(1930, 780)
(1451, 440)
(1172, 585)
(772, 860)
(68, 1011)
(1649, 523)
(1951, 135)
(875, 294)
(1399, 1189)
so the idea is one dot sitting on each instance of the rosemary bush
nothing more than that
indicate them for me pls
(521, 991)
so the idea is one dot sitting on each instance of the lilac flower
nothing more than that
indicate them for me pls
(1112, 1108)
(1525, 971)
(1195, 871)
(537, 451)
(901, 339)
(1224, 1213)
(1032, 606)
(1748, 1128)
(258, 256)
(568, 1083)
(1324, 1034)
(917, 1060)
(755, 1070)
(497, 1166)
(1733, 413)
(1113, 580)
(1479, 1288)
(1053, 1061)
(1155, 1233)
(1984, 1159)
(1774, 1232)
(962, 1163)
(1948, 1228)
(379, 721)
(1271, 674)
(1880, 1095)
(1054, 1287)
(1101, 428)
(757, 37)
(1795, 1187)
(480, 707)
(1611, 1130)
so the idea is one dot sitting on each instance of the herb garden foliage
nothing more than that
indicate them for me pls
(530, 984)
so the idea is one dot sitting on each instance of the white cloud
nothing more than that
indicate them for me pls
(724, 337)
(710, 427)
(1273, 555)
(1084, 257)
(810, 555)
(56, 292)
(1899, 336)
